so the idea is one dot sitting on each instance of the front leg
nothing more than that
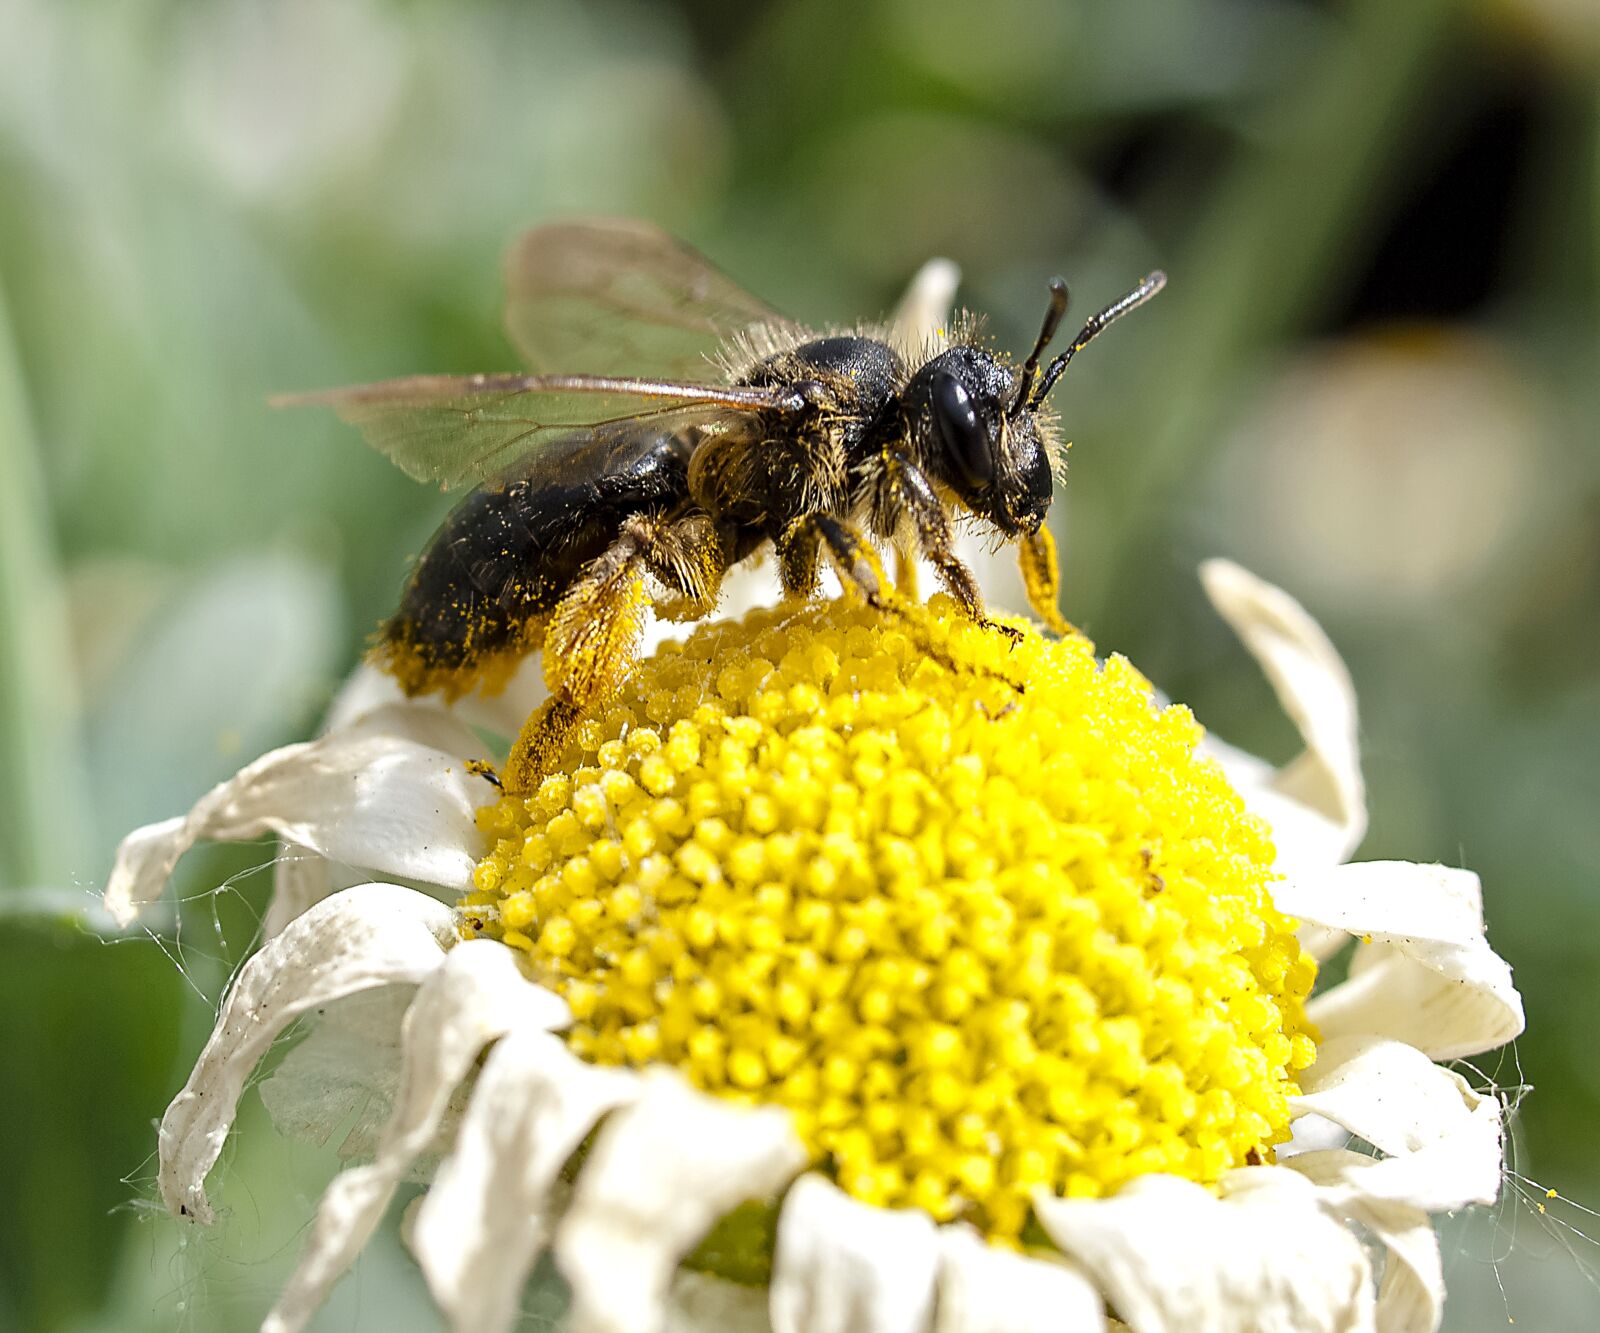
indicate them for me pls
(1041, 576)
(910, 492)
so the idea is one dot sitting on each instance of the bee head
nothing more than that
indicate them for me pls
(981, 418)
(995, 463)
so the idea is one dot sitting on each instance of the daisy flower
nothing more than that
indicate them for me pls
(861, 972)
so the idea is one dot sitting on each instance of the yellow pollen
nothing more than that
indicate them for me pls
(976, 913)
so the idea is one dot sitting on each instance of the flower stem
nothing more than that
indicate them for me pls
(40, 758)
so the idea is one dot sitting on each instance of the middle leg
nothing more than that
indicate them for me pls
(592, 641)
(800, 547)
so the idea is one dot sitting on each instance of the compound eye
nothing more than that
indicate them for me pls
(965, 439)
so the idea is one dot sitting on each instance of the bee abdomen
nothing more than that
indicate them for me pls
(482, 591)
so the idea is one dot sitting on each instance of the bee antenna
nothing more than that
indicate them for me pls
(1092, 329)
(1052, 322)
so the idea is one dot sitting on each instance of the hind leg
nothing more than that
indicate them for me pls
(592, 641)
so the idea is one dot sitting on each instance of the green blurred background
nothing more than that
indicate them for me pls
(1375, 378)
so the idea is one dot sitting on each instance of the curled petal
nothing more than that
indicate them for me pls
(300, 876)
(662, 1171)
(1425, 974)
(983, 1289)
(487, 1216)
(1317, 803)
(843, 1267)
(390, 793)
(368, 936)
(475, 996)
(1457, 1168)
(1411, 1296)
(1173, 1258)
(1389, 1094)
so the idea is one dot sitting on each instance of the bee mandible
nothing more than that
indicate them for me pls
(672, 427)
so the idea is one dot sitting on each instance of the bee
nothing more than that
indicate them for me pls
(672, 427)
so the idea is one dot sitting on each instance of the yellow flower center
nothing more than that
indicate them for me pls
(974, 912)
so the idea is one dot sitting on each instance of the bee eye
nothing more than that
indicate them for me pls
(964, 438)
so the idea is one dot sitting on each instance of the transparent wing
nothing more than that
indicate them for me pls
(612, 296)
(459, 430)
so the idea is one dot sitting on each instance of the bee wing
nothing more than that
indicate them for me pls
(459, 430)
(612, 296)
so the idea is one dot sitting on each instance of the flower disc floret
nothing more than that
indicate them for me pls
(975, 912)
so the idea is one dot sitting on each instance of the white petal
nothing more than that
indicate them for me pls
(1457, 1169)
(925, 307)
(1317, 803)
(983, 1289)
(1387, 1093)
(390, 793)
(1427, 976)
(364, 691)
(487, 1216)
(371, 935)
(1411, 1297)
(477, 995)
(661, 1172)
(1442, 1138)
(300, 877)
(844, 1267)
(343, 1074)
(1173, 1258)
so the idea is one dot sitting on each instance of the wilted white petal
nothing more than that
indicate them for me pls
(661, 1172)
(300, 876)
(1317, 803)
(700, 1303)
(983, 1289)
(475, 996)
(1455, 1169)
(371, 935)
(390, 793)
(484, 1221)
(843, 1267)
(925, 307)
(1411, 1296)
(1385, 1092)
(343, 1074)
(1426, 976)
(1174, 1258)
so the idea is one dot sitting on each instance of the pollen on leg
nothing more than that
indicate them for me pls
(978, 941)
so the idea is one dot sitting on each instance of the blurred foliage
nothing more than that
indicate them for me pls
(1373, 379)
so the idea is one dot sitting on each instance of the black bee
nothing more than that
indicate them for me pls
(600, 494)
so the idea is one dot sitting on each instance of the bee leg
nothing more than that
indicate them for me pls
(539, 745)
(594, 634)
(910, 492)
(857, 563)
(686, 556)
(1041, 576)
